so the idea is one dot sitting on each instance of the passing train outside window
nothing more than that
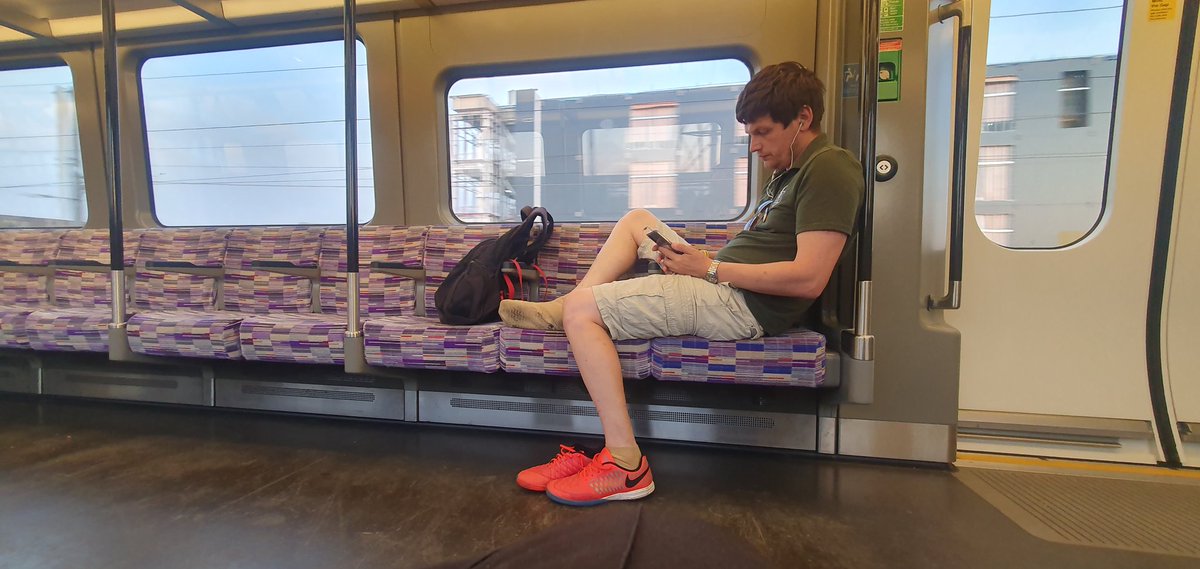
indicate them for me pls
(42, 185)
(254, 136)
(1047, 121)
(590, 145)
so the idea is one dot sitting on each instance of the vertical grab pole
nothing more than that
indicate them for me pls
(353, 324)
(113, 147)
(960, 9)
(864, 343)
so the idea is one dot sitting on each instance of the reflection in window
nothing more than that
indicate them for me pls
(254, 136)
(1047, 120)
(997, 227)
(999, 94)
(995, 174)
(41, 184)
(741, 176)
(1074, 99)
(589, 145)
(652, 185)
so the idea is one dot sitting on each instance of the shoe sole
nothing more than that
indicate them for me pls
(630, 495)
(531, 488)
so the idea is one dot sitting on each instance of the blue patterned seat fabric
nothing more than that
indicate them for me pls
(794, 359)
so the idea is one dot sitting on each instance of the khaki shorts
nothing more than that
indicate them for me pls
(674, 305)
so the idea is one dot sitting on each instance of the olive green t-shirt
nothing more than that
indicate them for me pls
(821, 193)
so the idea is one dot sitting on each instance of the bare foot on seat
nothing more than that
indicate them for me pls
(532, 315)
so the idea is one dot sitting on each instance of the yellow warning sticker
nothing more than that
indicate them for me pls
(1162, 10)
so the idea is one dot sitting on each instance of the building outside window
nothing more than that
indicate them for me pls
(1074, 91)
(995, 174)
(590, 144)
(999, 97)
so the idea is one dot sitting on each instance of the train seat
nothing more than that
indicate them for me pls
(176, 278)
(793, 359)
(320, 338)
(25, 258)
(796, 358)
(267, 270)
(422, 341)
(82, 292)
(565, 260)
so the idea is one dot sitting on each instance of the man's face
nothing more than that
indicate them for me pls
(772, 141)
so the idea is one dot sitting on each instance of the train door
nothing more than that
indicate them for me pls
(1181, 308)
(1073, 104)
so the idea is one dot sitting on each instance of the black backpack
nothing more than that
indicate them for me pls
(472, 291)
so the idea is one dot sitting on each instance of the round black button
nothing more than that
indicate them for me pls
(885, 168)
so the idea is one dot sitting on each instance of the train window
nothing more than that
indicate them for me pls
(254, 136)
(1047, 120)
(591, 144)
(42, 185)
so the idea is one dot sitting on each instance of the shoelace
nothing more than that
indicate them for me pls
(592, 470)
(564, 455)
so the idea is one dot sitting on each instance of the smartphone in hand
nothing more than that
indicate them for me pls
(662, 242)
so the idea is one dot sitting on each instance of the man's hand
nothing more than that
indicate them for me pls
(688, 261)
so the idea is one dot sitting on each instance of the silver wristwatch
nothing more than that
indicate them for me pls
(711, 275)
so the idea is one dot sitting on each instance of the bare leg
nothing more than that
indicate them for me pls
(596, 355)
(619, 252)
(616, 257)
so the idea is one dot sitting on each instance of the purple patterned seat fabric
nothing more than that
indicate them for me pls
(22, 293)
(165, 290)
(565, 260)
(247, 291)
(81, 314)
(175, 311)
(537, 351)
(416, 342)
(320, 338)
(794, 359)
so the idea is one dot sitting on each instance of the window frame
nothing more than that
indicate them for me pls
(456, 74)
(1117, 96)
(222, 44)
(45, 62)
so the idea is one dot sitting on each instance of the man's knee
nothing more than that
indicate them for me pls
(642, 216)
(579, 307)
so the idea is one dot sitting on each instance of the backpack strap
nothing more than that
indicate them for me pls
(530, 252)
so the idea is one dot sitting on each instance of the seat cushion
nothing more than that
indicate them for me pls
(425, 343)
(186, 333)
(795, 358)
(13, 333)
(69, 329)
(301, 338)
(547, 352)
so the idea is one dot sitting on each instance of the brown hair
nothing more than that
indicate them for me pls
(781, 91)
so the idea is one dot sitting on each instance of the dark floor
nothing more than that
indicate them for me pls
(91, 484)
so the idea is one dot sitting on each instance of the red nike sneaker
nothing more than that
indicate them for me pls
(601, 481)
(568, 462)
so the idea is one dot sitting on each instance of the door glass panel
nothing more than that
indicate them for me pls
(1047, 120)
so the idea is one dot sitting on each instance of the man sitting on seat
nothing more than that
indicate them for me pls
(760, 283)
